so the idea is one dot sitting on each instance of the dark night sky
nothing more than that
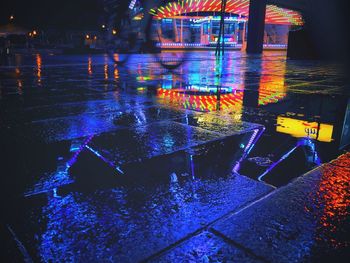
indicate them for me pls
(70, 14)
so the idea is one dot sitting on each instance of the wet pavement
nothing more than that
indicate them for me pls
(123, 164)
(309, 226)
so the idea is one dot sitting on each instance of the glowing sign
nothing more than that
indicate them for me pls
(274, 14)
(218, 18)
(299, 128)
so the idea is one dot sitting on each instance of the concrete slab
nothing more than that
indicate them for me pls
(96, 118)
(225, 124)
(48, 101)
(206, 247)
(304, 221)
(130, 145)
(124, 224)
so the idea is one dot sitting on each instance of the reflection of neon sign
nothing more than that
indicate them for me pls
(205, 88)
(299, 128)
(203, 102)
(268, 95)
(272, 88)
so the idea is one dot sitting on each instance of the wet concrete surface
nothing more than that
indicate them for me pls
(206, 247)
(124, 164)
(126, 222)
(304, 221)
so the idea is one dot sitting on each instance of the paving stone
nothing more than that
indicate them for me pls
(303, 221)
(343, 160)
(149, 141)
(127, 224)
(47, 118)
(206, 247)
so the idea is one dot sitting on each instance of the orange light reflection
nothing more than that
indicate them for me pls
(38, 67)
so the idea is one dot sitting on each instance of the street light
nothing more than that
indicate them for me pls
(114, 32)
(12, 17)
(103, 26)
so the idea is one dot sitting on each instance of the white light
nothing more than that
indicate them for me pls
(132, 4)
(217, 18)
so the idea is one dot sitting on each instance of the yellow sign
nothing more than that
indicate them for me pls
(299, 128)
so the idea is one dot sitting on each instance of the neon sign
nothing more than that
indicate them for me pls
(274, 14)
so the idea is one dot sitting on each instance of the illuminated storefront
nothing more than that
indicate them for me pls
(196, 23)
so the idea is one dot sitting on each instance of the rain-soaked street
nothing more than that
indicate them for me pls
(219, 160)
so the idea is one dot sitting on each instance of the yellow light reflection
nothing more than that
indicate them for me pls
(38, 66)
(116, 57)
(90, 66)
(116, 73)
(20, 86)
(105, 70)
(141, 90)
(272, 87)
(299, 128)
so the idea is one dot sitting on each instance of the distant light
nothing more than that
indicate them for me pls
(34, 33)
(114, 32)
(95, 37)
(12, 17)
(138, 17)
(87, 36)
(132, 4)
(103, 26)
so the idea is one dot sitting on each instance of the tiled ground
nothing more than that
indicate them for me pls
(304, 221)
(116, 164)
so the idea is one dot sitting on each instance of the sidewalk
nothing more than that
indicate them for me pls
(307, 220)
